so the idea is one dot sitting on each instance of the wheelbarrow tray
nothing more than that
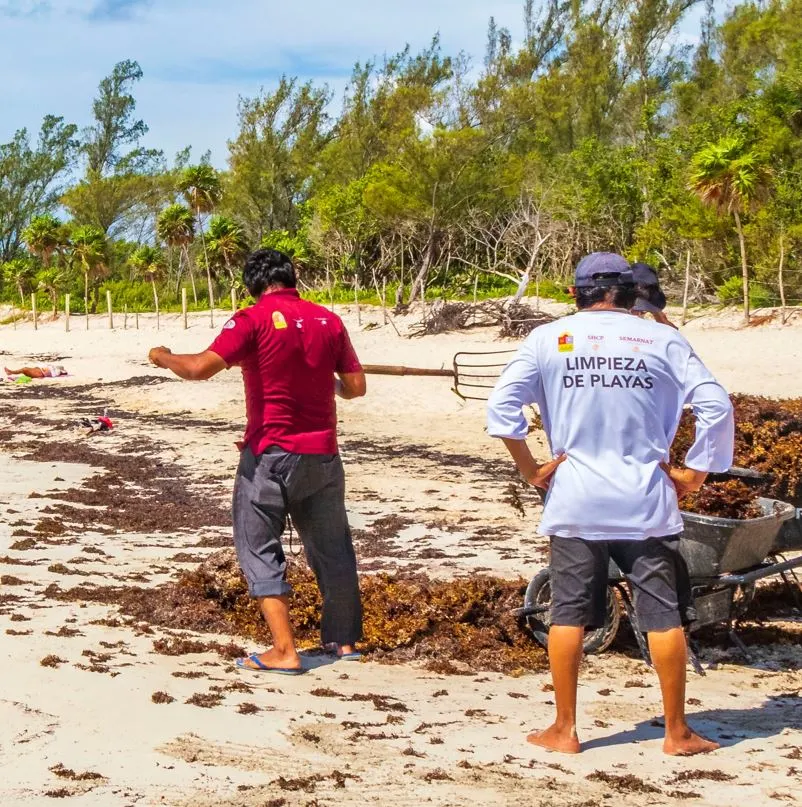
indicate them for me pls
(713, 546)
(790, 536)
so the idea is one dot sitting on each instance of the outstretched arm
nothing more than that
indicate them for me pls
(189, 366)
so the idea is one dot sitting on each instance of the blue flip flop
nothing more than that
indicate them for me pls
(332, 650)
(260, 667)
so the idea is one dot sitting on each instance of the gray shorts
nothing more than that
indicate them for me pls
(653, 567)
(310, 488)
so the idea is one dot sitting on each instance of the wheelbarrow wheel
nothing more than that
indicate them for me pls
(538, 593)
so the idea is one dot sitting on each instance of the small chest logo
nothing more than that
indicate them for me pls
(279, 323)
(565, 343)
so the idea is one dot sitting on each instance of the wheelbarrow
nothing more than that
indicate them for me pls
(474, 373)
(725, 559)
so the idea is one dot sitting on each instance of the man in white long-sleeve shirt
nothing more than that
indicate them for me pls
(610, 388)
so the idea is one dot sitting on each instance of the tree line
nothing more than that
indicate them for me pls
(437, 175)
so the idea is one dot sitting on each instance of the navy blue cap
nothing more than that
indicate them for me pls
(643, 274)
(603, 269)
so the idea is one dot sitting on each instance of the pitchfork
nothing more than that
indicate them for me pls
(474, 374)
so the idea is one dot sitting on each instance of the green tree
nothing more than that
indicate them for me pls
(124, 183)
(728, 177)
(274, 155)
(148, 263)
(20, 273)
(88, 250)
(54, 280)
(31, 178)
(114, 128)
(175, 227)
(44, 236)
(202, 190)
(227, 245)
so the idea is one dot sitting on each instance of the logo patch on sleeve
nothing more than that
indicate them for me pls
(232, 323)
(565, 343)
(279, 323)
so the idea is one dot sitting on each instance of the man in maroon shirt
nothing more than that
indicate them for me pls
(290, 351)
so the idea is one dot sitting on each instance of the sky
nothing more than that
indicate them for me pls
(200, 56)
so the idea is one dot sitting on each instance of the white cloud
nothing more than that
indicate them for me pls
(198, 56)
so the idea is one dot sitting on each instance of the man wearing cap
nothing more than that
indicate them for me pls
(610, 388)
(650, 297)
(295, 356)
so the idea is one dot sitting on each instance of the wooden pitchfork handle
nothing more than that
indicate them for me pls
(393, 369)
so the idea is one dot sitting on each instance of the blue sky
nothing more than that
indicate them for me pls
(199, 56)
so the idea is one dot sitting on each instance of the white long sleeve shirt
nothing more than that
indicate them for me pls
(611, 388)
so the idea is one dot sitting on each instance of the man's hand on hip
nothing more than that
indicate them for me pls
(537, 475)
(685, 480)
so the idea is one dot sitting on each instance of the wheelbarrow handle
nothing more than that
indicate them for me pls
(398, 370)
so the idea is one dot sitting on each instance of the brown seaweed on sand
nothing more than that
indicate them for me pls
(466, 620)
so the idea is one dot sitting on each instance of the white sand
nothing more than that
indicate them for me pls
(181, 754)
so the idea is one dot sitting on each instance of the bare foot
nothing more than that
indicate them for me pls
(272, 658)
(564, 741)
(687, 744)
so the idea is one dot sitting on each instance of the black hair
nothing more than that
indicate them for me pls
(652, 293)
(265, 268)
(620, 296)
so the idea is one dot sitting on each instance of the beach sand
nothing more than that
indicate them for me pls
(85, 725)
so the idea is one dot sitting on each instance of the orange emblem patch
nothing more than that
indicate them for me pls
(279, 323)
(565, 343)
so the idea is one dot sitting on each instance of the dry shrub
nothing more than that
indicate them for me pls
(519, 320)
(405, 617)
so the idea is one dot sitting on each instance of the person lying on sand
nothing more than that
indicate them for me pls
(611, 391)
(42, 371)
(290, 351)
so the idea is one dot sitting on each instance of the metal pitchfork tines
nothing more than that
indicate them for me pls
(474, 374)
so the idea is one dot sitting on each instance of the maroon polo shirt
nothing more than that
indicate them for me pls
(289, 350)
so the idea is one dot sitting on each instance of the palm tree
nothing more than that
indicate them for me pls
(728, 177)
(148, 262)
(202, 189)
(88, 250)
(44, 236)
(19, 271)
(176, 228)
(53, 280)
(227, 245)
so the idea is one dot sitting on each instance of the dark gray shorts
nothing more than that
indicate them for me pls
(310, 488)
(654, 568)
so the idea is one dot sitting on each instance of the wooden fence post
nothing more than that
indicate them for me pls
(108, 308)
(125, 317)
(781, 281)
(329, 287)
(384, 299)
(687, 288)
(35, 313)
(67, 312)
(475, 295)
(136, 318)
(234, 303)
(184, 306)
(356, 299)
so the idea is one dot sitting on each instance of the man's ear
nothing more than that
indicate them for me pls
(572, 291)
